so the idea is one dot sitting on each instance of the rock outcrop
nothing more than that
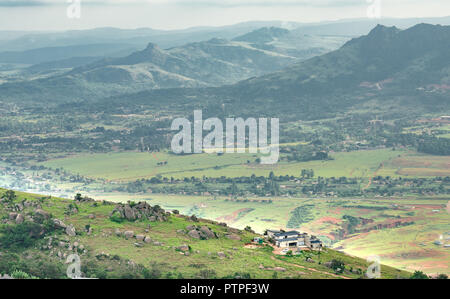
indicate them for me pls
(141, 210)
(201, 233)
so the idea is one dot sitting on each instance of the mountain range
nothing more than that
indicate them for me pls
(407, 68)
(214, 62)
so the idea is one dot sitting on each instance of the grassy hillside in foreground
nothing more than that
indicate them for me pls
(32, 243)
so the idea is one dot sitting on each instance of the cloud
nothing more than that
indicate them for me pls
(211, 3)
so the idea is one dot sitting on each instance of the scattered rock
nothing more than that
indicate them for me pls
(71, 209)
(19, 219)
(12, 216)
(208, 232)
(70, 231)
(194, 234)
(42, 213)
(140, 237)
(83, 199)
(59, 224)
(18, 207)
(128, 234)
(183, 248)
(147, 239)
(221, 254)
(202, 233)
(141, 210)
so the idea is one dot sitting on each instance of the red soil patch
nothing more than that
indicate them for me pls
(336, 211)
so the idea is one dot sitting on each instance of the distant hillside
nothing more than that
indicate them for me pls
(387, 59)
(48, 54)
(214, 62)
(405, 70)
(39, 233)
(398, 71)
(357, 27)
(263, 35)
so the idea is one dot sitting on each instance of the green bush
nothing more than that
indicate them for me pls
(21, 236)
(116, 218)
(419, 275)
(17, 274)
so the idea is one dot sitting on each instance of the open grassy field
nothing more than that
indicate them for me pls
(127, 166)
(417, 165)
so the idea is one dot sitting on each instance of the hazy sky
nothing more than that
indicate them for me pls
(174, 14)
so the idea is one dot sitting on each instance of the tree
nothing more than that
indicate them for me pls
(271, 176)
(419, 275)
(248, 229)
(234, 189)
(78, 197)
(442, 276)
(337, 266)
(10, 195)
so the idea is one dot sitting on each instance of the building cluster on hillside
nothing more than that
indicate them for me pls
(293, 239)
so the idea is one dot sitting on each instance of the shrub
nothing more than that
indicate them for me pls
(21, 235)
(17, 274)
(10, 195)
(419, 275)
(116, 218)
(207, 274)
(337, 265)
